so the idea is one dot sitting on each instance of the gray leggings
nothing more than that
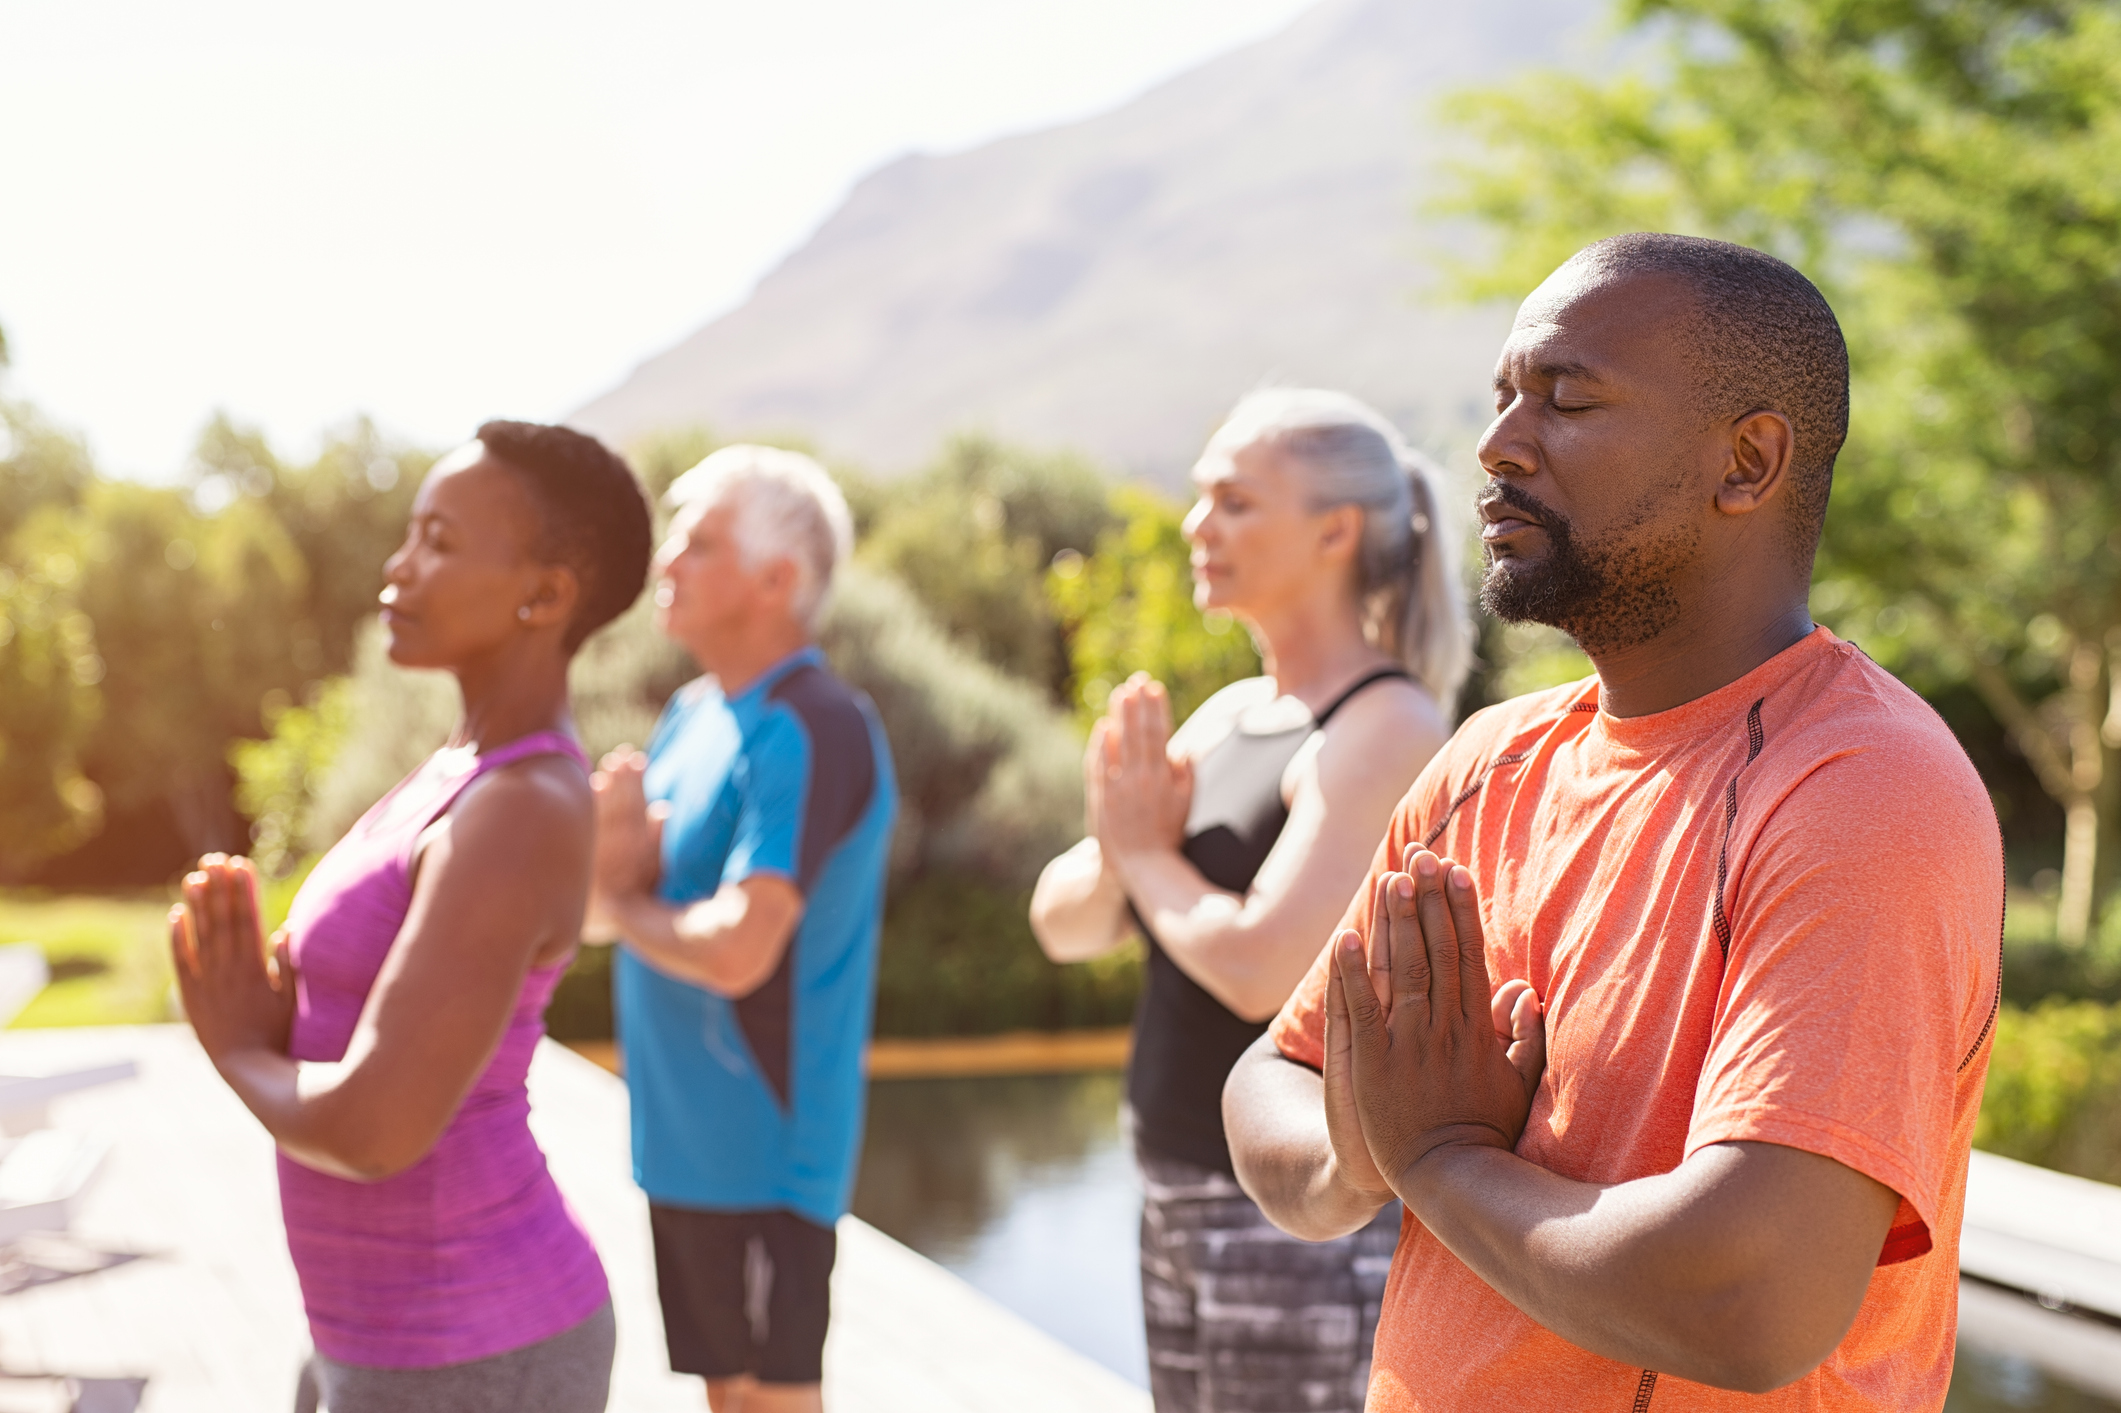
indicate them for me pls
(568, 1373)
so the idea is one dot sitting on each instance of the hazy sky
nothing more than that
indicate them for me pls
(436, 212)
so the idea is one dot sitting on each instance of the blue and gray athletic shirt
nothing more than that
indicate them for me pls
(757, 1103)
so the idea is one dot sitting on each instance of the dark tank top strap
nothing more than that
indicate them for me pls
(1382, 674)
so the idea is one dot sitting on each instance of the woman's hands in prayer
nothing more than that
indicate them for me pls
(1135, 793)
(1420, 1052)
(236, 996)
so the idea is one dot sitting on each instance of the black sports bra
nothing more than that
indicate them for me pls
(1185, 1041)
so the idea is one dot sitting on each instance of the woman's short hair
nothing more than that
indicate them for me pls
(786, 506)
(593, 516)
(1407, 568)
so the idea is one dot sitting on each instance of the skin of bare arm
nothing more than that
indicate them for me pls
(1742, 1268)
(1249, 952)
(1298, 1144)
(500, 884)
(728, 943)
(1078, 910)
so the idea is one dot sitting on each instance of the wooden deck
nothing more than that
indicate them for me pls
(197, 1298)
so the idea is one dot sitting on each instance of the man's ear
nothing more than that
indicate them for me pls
(1762, 447)
(777, 577)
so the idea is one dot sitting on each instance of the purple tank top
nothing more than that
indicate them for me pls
(472, 1251)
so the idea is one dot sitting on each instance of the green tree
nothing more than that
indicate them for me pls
(1128, 607)
(39, 466)
(972, 535)
(48, 699)
(195, 617)
(1951, 176)
(344, 513)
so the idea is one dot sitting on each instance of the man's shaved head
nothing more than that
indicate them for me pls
(1667, 413)
(1762, 338)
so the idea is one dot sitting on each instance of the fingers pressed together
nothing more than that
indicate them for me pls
(1432, 1054)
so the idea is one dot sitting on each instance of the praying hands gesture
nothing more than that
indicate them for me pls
(1135, 793)
(1420, 1053)
(629, 841)
(238, 990)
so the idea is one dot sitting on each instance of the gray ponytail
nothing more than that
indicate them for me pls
(1407, 568)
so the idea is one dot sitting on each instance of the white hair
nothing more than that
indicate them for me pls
(1407, 569)
(785, 506)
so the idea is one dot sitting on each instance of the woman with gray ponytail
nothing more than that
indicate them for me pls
(1233, 845)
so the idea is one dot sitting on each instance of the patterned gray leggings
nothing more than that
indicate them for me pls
(1243, 1318)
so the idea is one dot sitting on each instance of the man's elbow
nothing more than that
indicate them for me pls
(1760, 1344)
(1255, 1120)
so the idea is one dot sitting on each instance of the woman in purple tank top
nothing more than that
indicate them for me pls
(385, 1042)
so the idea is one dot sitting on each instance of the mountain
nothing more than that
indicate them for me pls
(1113, 285)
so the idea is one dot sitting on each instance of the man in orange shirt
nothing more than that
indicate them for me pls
(1666, 1007)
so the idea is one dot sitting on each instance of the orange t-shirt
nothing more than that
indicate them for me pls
(1770, 914)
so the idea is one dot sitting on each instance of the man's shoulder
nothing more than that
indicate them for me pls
(1511, 726)
(1844, 707)
(813, 697)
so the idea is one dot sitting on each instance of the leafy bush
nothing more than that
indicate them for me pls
(958, 959)
(1128, 608)
(2054, 1088)
(972, 535)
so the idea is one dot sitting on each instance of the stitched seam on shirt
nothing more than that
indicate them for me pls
(1995, 1000)
(1469, 792)
(1645, 1391)
(1755, 738)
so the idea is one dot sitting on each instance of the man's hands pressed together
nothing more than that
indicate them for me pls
(1741, 1268)
(728, 942)
(1421, 1054)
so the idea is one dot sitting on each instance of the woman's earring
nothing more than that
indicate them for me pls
(524, 613)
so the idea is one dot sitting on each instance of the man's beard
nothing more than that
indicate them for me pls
(1608, 596)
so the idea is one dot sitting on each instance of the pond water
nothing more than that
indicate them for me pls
(1023, 1185)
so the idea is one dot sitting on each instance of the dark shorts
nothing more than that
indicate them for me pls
(744, 1292)
(1243, 1318)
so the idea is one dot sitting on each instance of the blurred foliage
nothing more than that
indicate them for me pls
(1128, 607)
(1948, 174)
(185, 616)
(274, 776)
(48, 706)
(2054, 1088)
(942, 973)
(972, 535)
(39, 466)
(988, 770)
(108, 954)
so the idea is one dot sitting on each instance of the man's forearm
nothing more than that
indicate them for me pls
(702, 944)
(1274, 1114)
(1692, 1272)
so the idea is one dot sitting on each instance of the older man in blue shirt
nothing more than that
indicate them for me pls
(740, 864)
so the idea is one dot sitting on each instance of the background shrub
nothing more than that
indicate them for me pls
(2054, 1088)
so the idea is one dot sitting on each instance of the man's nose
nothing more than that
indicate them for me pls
(1505, 449)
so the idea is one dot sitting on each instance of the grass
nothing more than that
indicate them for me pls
(109, 955)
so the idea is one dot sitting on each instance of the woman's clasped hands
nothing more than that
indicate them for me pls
(1421, 1053)
(238, 991)
(1135, 791)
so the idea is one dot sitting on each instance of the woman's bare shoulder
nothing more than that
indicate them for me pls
(1395, 723)
(1212, 719)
